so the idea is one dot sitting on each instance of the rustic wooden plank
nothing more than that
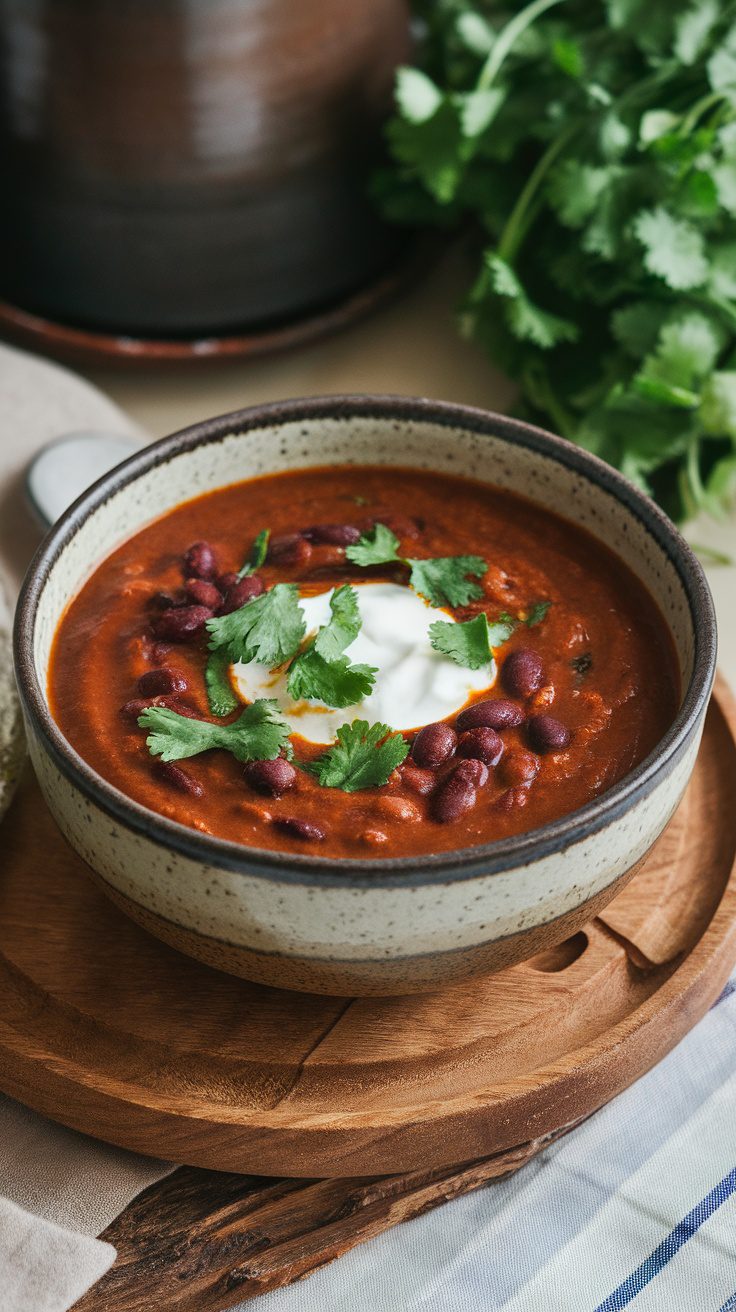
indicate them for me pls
(201, 1241)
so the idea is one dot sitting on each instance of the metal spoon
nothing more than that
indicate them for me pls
(61, 471)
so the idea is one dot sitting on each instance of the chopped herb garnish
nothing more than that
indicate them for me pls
(260, 733)
(343, 625)
(443, 580)
(335, 683)
(258, 553)
(364, 756)
(267, 629)
(220, 692)
(470, 644)
(377, 547)
(322, 673)
(537, 613)
(583, 663)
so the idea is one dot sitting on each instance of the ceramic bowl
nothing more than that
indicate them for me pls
(376, 926)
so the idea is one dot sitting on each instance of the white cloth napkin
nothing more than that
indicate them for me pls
(58, 1189)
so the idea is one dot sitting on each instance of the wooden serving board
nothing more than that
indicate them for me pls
(109, 1031)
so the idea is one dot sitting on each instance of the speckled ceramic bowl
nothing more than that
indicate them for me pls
(373, 926)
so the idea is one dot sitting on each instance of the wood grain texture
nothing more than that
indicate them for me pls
(105, 1029)
(200, 1241)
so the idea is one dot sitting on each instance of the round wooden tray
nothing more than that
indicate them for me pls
(108, 1031)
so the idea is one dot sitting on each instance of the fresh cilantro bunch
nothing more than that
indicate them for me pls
(593, 145)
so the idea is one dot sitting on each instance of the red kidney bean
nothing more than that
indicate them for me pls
(156, 682)
(178, 778)
(165, 600)
(474, 771)
(203, 593)
(291, 824)
(225, 581)
(175, 704)
(241, 592)
(418, 781)
(271, 777)
(181, 624)
(433, 745)
(546, 734)
(453, 798)
(513, 797)
(494, 714)
(200, 561)
(482, 743)
(519, 767)
(337, 535)
(289, 549)
(135, 707)
(522, 672)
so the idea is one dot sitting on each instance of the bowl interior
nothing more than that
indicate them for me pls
(514, 456)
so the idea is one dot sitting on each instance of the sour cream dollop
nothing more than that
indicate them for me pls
(415, 685)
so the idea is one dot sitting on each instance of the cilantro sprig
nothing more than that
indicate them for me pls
(267, 629)
(260, 733)
(594, 143)
(443, 580)
(321, 672)
(364, 756)
(470, 644)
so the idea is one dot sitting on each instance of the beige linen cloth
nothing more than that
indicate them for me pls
(58, 1189)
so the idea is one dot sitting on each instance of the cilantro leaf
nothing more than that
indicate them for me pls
(267, 629)
(444, 581)
(258, 553)
(343, 626)
(335, 682)
(537, 613)
(220, 692)
(471, 643)
(378, 547)
(364, 756)
(260, 733)
(674, 249)
(322, 673)
(525, 319)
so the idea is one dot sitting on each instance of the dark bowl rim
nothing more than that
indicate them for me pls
(443, 867)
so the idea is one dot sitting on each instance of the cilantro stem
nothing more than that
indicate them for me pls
(699, 108)
(522, 214)
(507, 37)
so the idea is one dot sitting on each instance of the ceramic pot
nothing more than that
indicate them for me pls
(192, 165)
(380, 925)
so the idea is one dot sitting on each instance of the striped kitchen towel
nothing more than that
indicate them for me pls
(634, 1209)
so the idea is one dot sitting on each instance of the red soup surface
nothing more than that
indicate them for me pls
(568, 686)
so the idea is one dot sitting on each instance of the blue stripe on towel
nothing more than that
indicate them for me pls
(730, 1304)
(684, 1230)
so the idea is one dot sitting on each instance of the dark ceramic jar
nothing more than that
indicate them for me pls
(192, 165)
